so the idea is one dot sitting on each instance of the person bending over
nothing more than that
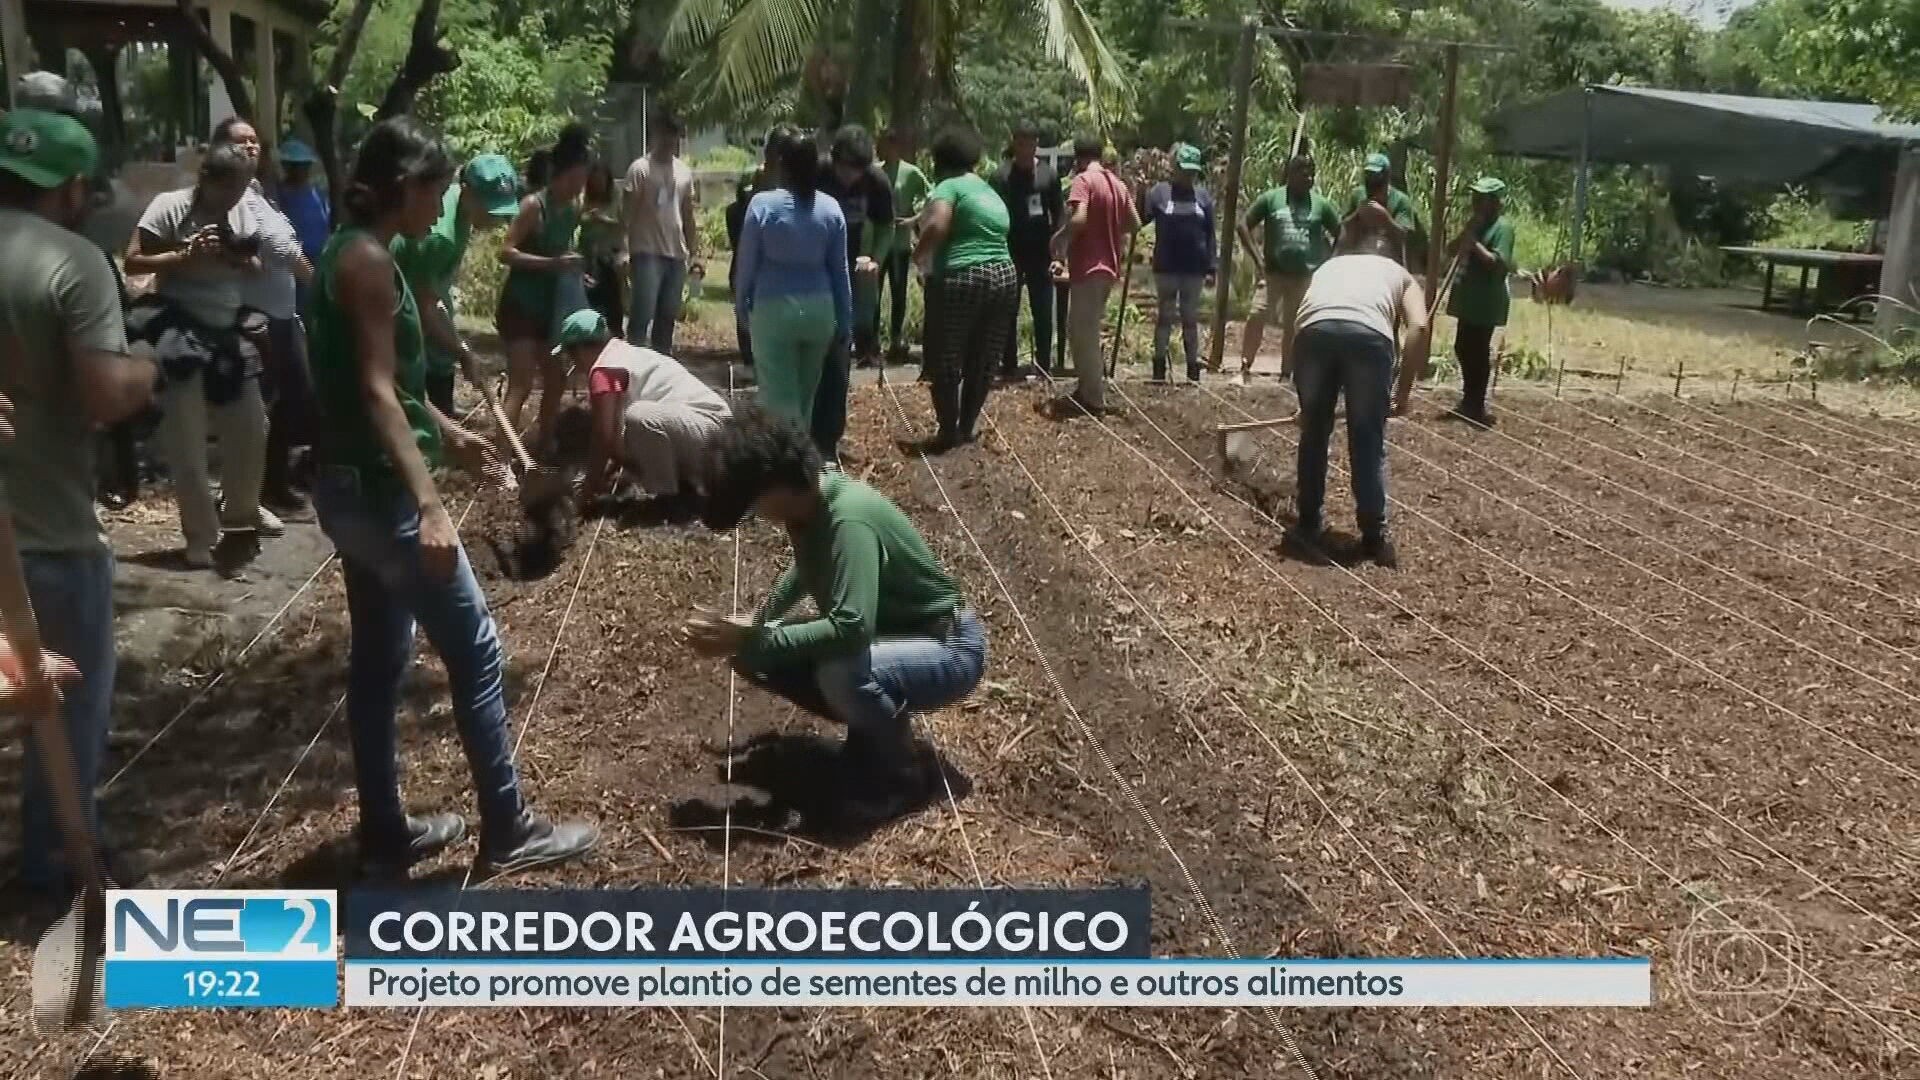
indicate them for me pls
(647, 415)
(891, 635)
(1359, 303)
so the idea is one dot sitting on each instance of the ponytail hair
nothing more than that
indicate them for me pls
(573, 147)
(798, 158)
(399, 151)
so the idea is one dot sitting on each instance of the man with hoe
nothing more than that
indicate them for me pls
(1480, 300)
(486, 197)
(1300, 227)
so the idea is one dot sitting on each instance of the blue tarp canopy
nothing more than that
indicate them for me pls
(1843, 148)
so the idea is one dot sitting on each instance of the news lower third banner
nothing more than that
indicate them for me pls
(755, 947)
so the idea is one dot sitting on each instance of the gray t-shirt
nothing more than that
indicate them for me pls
(57, 293)
(1364, 289)
(210, 292)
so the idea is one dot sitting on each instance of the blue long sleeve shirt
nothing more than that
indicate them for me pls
(794, 247)
(1182, 219)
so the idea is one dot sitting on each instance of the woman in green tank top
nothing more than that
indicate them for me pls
(543, 270)
(376, 500)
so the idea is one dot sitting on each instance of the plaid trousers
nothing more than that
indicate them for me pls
(971, 313)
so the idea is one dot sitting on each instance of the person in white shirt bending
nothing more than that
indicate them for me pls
(1359, 309)
(647, 416)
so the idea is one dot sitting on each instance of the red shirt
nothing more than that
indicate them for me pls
(1096, 250)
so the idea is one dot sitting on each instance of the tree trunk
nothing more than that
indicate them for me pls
(219, 59)
(912, 71)
(323, 105)
(426, 58)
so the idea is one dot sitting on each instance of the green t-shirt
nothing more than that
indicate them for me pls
(978, 234)
(1299, 235)
(535, 292)
(910, 193)
(868, 571)
(350, 438)
(432, 262)
(1399, 207)
(57, 290)
(1480, 295)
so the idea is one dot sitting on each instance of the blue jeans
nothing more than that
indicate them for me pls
(876, 690)
(72, 595)
(657, 285)
(1336, 357)
(1179, 296)
(378, 537)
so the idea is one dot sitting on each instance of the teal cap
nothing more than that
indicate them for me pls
(493, 178)
(1189, 158)
(583, 327)
(295, 152)
(1489, 185)
(46, 149)
(1377, 163)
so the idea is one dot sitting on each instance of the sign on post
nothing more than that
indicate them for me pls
(1356, 84)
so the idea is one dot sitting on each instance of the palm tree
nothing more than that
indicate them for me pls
(756, 47)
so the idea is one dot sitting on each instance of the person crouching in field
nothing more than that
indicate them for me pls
(647, 415)
(891, 636)
(1355, 307)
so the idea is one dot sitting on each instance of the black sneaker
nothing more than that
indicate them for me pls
(284, 500)
(1479, 419)
(1379, 550)
(427, 836)
(1302, 541)
(535, 841)
(236, 549)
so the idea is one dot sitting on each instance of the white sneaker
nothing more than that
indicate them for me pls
(270, 523)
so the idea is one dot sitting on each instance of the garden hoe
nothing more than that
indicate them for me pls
(540, 486)
(67, 994)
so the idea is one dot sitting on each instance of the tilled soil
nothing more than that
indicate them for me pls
(1643, 674)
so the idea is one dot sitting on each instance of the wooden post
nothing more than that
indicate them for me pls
(1734, 394)
(1580, 178)
(1679, 372)
(1620, 377)
(1443, 164)
(1230, 200)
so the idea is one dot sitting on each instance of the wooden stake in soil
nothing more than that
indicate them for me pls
(1734, 394)
(1679, 372)
(1620, 377)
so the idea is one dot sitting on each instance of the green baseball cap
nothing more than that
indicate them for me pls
(1489, 185)
(583, 327)
(1189, 158)
(1377, 163)
(493, 178)
(46, 149)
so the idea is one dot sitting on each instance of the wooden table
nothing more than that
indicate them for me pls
(1850, 263)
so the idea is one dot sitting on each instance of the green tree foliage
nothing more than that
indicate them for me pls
(518, 81)
(1856, 50)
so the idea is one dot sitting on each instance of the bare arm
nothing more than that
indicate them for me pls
(1077, 217)
(147, 253)
(1416, 342)
(936, 221)
(113, 386)
(690, 222)
(437, 321)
